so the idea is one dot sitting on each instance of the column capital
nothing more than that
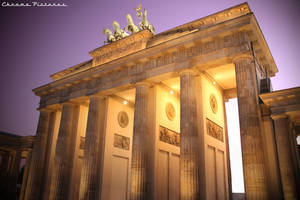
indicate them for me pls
(51, 108)
(188, 71)
(143, 83)
(45, 110)
(279, 116)
(70, 103)
(245, 56)
(97, 96)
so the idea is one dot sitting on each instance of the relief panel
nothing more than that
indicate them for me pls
(214, 130)
(121, 142)
(168, 136)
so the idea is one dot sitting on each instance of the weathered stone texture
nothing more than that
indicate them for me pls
(38, 157)
(285, 157)
(91, 176)
(251, 141)
(67, 134)
(189, 144)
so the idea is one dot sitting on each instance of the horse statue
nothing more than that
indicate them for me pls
(144, 24)
(110, 37)
(119, 33)
(131, 27)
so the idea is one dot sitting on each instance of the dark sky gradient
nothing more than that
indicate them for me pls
(37, 42)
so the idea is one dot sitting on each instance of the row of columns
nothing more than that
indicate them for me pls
(10, 168)
(4, 167)
(192, 159)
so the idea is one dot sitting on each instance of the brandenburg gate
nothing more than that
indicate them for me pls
(145, 117)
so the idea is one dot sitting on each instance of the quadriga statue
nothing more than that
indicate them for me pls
(131, 27)
(119, 33)
(110, 36)
(144, 24)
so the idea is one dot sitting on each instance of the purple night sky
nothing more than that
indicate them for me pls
(39, 41)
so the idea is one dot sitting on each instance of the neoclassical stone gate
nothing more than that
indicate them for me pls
(109, 127)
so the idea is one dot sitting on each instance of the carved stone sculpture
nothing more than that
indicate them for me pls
(119, 33)
(213, 103)
(123, 119)
(144, 24)
(110, 37)
(170, 111)
(214, 130)
(131, 27)
(168, 136)
(138, 11)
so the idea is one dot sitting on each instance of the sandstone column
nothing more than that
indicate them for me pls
(50, 152)
(63, 155)
(141, 162)
(251, 134)
(271, 159)
(16, 167)
(285, 157)
(38, 157)
(191, 148)
(25, 175)
(91, 176)
(4, 163)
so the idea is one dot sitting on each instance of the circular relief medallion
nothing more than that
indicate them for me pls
(123, 119)
(170, 111)
(213, 103)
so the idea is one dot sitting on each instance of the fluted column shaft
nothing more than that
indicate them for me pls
(17, 164)
(271, 159)
(50, 153)
(92, 170)
(25, 175)
(60, 183)
(285, 157)
(189, 140)
(140, 163)
(251, 138)
(38, 157)
(4, 163)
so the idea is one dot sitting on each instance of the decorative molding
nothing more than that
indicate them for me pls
(168, 136)
(214, 130)
(170, 111)
(202, 23)
(243, 57)
(121, 142)
(120, 48)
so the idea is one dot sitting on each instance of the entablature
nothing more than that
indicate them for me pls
(203, 48)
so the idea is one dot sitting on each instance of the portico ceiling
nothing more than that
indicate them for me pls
(224, 75)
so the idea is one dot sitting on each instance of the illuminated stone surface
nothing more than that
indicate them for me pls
(209, 56)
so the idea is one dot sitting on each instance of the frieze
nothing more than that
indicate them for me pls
(214, 130)
(121, 142)
(168, 136)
